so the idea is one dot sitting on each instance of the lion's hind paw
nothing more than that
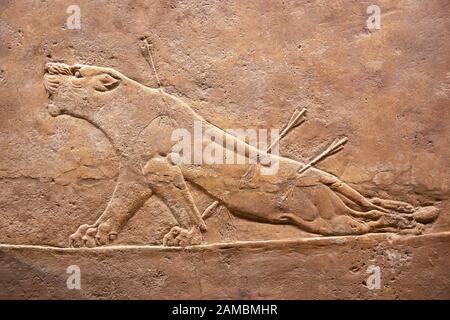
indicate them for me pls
(179, 237)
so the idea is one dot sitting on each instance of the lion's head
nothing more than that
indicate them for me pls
(79, 90)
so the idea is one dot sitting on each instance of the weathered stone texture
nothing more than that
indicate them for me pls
(238, 64)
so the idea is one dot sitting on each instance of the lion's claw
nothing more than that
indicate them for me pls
(179, 237)
(93, 236)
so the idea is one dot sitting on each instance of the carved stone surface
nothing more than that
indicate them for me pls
(326, 268)
(98, 101)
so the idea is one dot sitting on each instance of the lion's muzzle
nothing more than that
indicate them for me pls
(53, 73)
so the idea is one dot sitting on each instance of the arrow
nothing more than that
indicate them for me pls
(336, 146)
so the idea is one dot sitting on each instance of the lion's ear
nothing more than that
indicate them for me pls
(105, 82)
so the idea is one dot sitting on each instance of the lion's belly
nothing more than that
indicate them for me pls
(261, 196)
(224, 181)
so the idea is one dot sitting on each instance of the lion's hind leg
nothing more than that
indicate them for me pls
(348, 225)
(337, 226)
(322, 210)
(398, 206)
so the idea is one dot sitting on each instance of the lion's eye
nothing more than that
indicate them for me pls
(77, 74)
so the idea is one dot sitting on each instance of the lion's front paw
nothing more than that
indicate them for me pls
(76, 239)
(179, 237)
(92, 236)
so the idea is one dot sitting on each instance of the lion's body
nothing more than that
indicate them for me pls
(139, 122)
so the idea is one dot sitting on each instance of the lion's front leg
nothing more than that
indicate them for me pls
(167, 182)
(129, 195)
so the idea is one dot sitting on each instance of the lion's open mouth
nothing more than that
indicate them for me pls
(52, 81)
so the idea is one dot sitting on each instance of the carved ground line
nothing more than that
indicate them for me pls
(321, 241)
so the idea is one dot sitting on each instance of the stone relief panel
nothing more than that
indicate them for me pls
(310, 136)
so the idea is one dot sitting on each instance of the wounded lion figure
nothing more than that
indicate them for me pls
(138, 121)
